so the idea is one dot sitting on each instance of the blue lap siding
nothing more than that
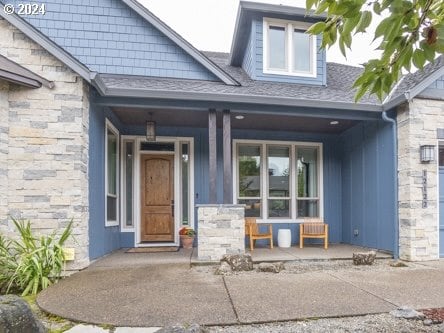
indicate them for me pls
(109, 37)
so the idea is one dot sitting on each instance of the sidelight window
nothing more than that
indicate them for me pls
(111, 175)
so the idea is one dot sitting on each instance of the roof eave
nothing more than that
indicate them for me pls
(394, 102)
(414, 91)
(420, 87)
(279, 9)
(181, 42)
(20, 80)
(12, 71)
(236, 98)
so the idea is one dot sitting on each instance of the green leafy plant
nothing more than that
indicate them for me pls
(7, 263)
(31, 264)
(187, 231)
(409, 33)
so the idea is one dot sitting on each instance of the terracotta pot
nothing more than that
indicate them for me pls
(187, 241)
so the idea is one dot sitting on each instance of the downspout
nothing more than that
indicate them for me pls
(386, 118)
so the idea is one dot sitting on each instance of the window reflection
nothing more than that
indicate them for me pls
(279, 181)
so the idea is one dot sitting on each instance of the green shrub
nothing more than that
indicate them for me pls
(31, 264)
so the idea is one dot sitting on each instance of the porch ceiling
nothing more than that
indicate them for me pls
(199, 118)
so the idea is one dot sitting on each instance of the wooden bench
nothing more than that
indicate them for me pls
(252, 231)
(313, 228)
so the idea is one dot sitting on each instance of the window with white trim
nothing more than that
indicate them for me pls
(279, 181)
(128, 153)
(288, 49)
(111, 175)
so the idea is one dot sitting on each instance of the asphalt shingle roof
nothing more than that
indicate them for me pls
(339, 84)
(411, 80)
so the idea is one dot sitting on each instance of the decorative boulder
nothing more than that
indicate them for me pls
(364, 258)
(238, 262)
(17, 317)
(397, 264)
(223, 269)
(270, 267)
(407, 313)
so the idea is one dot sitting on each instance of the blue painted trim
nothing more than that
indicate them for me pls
(393, 123)
(266, 105)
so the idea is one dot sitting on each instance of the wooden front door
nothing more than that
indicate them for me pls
(157, 196)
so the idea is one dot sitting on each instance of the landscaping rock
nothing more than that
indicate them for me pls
(17, 317)
(364, 258)
(428, 322)
(223, 269)
(407, 313)
(397, 264)
(238, 262)
(194, 328)
(270, 267)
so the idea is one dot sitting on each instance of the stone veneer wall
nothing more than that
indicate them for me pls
(44, 145)
(221, 231)
(418, 227)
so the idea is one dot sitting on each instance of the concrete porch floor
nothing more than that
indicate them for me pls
(310, 252)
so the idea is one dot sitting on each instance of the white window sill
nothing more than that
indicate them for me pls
(292, 74)
(111, 224)
(282, 221)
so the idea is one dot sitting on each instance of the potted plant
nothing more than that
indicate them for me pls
(187, 237)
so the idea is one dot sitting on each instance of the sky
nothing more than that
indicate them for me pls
(209, 24)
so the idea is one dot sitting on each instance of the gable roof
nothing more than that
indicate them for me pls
(412, 84)
(51, 37)
(180, 41)
(12, 72)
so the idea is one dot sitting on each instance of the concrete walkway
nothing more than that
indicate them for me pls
(148, 295)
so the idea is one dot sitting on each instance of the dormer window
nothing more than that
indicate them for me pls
(288, 49)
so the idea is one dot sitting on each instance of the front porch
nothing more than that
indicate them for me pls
(281, 165)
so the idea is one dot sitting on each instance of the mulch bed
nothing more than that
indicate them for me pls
(437, 315)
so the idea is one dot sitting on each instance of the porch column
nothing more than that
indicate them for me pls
(212, 155)
(228, 180)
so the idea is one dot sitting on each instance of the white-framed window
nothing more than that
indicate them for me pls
(128, 183)
(111, 175)
(288, 49)
(278, 181)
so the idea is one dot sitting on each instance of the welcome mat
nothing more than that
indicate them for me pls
(153, 249)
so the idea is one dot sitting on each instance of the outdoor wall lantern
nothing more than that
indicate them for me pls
(151, 130)
(427, 153)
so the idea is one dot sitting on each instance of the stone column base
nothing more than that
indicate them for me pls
(221, 231)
